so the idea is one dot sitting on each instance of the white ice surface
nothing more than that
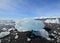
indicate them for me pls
(3, 34)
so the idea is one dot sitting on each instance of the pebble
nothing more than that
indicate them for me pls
(52, 34)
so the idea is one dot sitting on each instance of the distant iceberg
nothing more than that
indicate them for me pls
(53, 21)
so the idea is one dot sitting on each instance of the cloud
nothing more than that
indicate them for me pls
(29, 8)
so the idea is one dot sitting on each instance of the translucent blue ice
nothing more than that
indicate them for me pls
(35, 25)
(30, 24)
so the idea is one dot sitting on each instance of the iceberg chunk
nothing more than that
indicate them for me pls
(29, 24)
(35, 25)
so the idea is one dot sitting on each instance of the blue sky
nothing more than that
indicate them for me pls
(29, 8)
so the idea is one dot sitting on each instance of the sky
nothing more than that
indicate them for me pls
(29, 8)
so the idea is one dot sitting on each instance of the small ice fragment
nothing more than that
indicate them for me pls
(9, 29)
(55, 32)
(3, 34)
(4, 29)
(28, 39)
(52, 34)
(55, 36)
(16, 37)
(48, 38)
